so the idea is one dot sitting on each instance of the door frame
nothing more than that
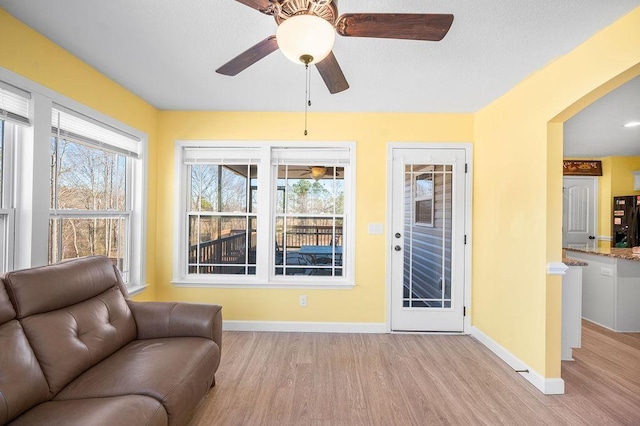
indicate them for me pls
(468, 148)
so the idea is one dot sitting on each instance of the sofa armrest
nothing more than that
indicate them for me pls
(177, 319)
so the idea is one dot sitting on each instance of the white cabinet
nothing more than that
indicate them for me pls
(571, 311)
(610, 291)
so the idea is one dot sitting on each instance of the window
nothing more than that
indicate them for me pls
(7, 131)
(14, 112)
(222, 219)
(92, 196)
(71, 182)
(309, 220)
(264, 214)
(424, 199)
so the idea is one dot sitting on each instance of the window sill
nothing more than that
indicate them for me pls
(325, 285)
(136, 289)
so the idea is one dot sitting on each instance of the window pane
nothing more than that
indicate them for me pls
(305, 193)
(204, 187)
(216, 243)
(220, 240)
(309, 222)
(424, 185)
(424, 212)
(309, 246)
(87, 178)
(233, 192)
(71, 238)
(1, 158)
(217, 188)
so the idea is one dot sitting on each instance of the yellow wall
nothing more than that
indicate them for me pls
(371, 132)
(605, 202)
(517, 192)
(622, 177)
(25, 52)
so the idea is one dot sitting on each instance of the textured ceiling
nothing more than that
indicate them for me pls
(166, 51)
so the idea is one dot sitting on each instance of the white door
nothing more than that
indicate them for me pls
(427, 241)
(579, 198)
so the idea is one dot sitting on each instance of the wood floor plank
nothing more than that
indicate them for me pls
(412, 379)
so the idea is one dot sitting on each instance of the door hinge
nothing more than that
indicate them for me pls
(465, 239)
(466, 167)
(464, 311)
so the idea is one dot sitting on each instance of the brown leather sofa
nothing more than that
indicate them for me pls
(75, 350)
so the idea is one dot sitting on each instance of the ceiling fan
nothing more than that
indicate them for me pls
(306, 33)
(317, 172)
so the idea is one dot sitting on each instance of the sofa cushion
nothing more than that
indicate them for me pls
(52, 287)
(22, 383)
(120, 410)
(175, 371)
(70, 340)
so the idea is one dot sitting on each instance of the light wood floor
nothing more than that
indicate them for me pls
(402, 379)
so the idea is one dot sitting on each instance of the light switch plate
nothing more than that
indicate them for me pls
(375, 229)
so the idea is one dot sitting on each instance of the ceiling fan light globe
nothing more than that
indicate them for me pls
(318, 172)
(305, 36)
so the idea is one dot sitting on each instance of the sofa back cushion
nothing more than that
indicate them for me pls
(22, 383)
(73, 314)
(7, 313)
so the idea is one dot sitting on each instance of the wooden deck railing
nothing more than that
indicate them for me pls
(231, 250)
(309, 235)
(228, 250)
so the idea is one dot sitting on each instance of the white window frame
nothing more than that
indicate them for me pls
(7, 210)
(32, 188)
(265, 276)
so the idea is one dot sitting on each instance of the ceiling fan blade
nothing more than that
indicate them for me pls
(332, 74)
(249, 57)
(406, 26)
(263, 6)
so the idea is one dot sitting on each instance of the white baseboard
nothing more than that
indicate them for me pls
(553, 386)
(306, 327)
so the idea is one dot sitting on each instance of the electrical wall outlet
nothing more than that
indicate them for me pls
(303, 300)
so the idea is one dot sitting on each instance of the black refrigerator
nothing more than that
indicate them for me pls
(626, 214)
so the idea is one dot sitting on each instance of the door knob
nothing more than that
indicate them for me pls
(397, 248)
(397, 235)
(591, 237)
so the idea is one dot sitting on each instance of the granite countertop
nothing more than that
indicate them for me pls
(573, 262)
(617, 252)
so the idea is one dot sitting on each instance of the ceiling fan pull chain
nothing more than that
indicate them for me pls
(307, 101)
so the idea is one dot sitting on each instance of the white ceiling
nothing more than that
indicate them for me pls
(166, 51)
(598, 130)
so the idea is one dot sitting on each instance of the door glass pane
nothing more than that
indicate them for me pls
(427, 230)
